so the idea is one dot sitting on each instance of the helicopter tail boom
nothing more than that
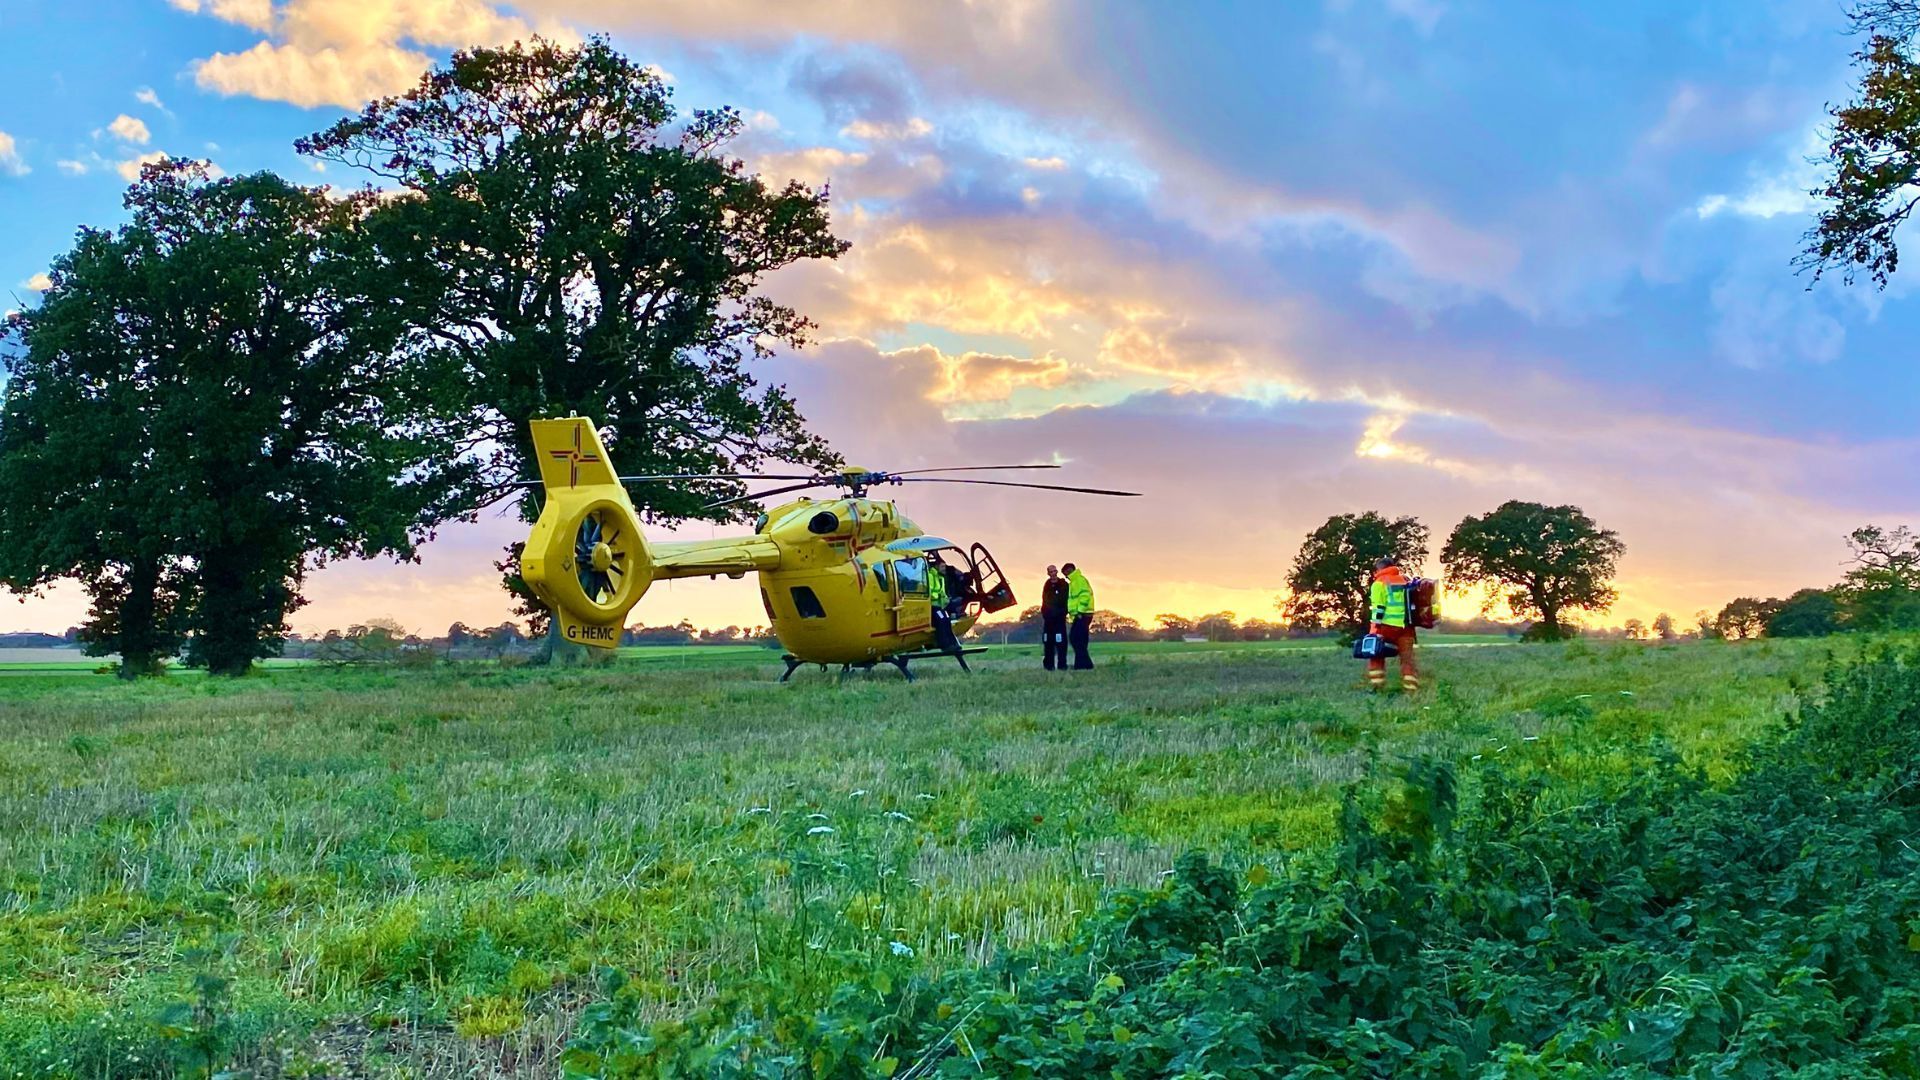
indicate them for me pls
(731, 556)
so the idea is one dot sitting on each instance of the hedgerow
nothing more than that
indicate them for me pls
(1493, 924)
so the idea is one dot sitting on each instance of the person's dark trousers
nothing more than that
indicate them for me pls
(1078, 637)
(943, 631)
(1053, 643)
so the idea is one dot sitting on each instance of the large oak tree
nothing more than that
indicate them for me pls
(232, 383)
(1333, 571)
(1542, 560)
(1882, 588)
(591, 251)
(80, 494)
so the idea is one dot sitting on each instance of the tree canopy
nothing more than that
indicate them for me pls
(1543, 561)
(1807, 613)
(1334, 568)
(1873, 159)
(231, 383)
(1882, 589)
(1744, 617)
(588, 251)
(83, 498)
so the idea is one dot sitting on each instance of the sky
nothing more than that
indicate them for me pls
(1264, 262)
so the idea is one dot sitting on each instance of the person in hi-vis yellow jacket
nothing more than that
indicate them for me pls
(1391, 617)
(1079, 614)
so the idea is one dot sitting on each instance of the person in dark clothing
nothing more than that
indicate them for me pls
(1053, 620)
(958, 591)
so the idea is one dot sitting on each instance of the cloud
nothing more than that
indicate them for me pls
(11, 162)
(913, 128)
(1423, 14)
(72, 167)
(1761, 321)
(1776, 190)
(146, 96)
(39, 283)
(855, 88)
(973, 377)
(130, 130)
(129, 169)
(323, 53)
(254, 14)
(311, 78)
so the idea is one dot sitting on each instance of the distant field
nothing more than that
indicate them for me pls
(15, 662)
(417, 873)
(45, 658)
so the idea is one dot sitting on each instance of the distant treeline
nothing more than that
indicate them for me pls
(382, 640)
(1218, 626)
(38, 641)
(1880, 592)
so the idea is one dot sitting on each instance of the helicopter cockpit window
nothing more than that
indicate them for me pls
(807, 604)
(912, 574)
(880, 575)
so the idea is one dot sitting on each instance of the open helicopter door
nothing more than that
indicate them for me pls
(990, 586)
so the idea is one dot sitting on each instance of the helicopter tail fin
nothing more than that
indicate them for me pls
(586, 558)
(571, 454)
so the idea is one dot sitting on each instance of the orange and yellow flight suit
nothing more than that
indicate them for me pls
(1392, 618)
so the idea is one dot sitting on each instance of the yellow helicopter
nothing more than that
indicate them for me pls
(847, 580)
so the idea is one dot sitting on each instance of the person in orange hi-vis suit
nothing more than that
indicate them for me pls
(1392, 618)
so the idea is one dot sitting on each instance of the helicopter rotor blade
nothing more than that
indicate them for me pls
(665, 477)
(758, 495)
(1010, 483)
(970, 468)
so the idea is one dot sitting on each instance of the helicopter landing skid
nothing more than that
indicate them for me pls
(899, 660)
(959, 656)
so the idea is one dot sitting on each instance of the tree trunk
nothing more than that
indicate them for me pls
(138, 613)
(1550, 620)
(559, 652)
(238, 606)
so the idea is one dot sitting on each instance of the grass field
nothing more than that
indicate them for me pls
(417, 873)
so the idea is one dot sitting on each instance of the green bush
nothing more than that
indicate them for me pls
(1662, 926)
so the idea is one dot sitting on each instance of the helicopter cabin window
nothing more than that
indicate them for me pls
(912, 574)
(807, 604)
(880, 576)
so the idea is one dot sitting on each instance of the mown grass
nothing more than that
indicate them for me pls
(418, 873)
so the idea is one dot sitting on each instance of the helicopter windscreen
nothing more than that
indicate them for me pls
(922, 544)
